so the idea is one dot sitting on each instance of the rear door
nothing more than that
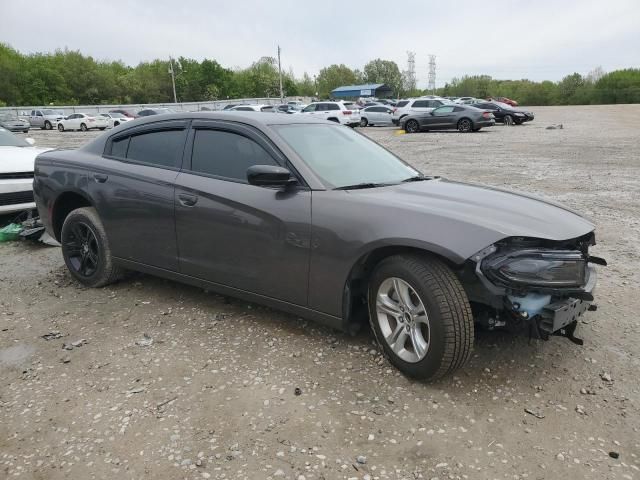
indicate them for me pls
(133, 190)
(251, 238)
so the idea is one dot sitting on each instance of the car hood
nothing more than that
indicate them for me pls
(19, 159)
(497, 213)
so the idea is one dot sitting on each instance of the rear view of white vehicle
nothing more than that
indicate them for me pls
(334, 112)
(83, 122)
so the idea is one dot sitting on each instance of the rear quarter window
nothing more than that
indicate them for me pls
(401, 104)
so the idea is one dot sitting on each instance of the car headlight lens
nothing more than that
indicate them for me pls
(537, 268)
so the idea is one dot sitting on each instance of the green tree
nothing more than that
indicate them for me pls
(334, 76)
(384, 71)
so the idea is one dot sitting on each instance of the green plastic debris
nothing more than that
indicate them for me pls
(10, 232)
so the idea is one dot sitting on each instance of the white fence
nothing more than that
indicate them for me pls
(25, 111)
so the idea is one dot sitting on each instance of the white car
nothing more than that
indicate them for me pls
(253, 108)
(17, 157)
(334, 111)
(82, 121)
(115, 119)
(376, 115)
(416, 105)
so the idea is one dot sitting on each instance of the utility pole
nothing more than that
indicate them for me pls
(280, 75)
(173, 80)
(432, 74)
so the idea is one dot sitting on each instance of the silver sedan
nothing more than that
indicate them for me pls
(376, 115)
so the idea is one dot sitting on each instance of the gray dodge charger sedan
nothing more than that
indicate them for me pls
(314, 218)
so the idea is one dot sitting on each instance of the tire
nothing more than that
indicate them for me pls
(412, 126)
(465, 125)
(47, 125)
(448, 322)
(25, 131)
(60, 127)
(83, 127)
(364, 122)
(507, 120)
(86, 250)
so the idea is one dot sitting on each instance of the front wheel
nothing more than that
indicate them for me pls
(465, 125)
(47, 125)
(60, 127)
(412, 126)
(420, 315)
(364, 122)
(86, 249)
(508, 120)
(83, 127)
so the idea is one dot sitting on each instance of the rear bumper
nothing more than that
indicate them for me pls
(484, 123)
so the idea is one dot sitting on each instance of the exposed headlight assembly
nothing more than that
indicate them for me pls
(537, 268)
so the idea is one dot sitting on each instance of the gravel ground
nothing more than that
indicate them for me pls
(165, 381)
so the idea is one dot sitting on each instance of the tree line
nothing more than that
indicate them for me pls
(67, 77)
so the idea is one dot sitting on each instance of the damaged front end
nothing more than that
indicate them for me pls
(535, 285)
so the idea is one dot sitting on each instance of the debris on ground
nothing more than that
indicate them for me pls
(614, 454)
(534, 413)
(145, 341)
(10, 233)
(52, 335)
(555, 127)
(606, 377)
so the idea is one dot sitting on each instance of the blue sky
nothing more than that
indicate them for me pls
(506, 39)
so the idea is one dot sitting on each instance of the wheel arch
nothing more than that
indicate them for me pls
(354, 300)
(65, 204)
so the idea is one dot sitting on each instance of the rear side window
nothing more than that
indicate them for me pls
(226, 154)
(401, 104)
(333, 106)
(119, 147)
(162, 148)
(420, 103)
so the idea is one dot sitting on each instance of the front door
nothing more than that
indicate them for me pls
(229, 232)
(133, 191)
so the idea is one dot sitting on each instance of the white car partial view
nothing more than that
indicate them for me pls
(114, 119)
(253, 108)
(17, 157)
(333, 111)
(416, 105)
(83, 122)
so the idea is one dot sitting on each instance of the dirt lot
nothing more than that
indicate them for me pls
(214, 395)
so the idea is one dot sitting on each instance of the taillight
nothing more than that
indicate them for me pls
(346, 112)
(487, 114)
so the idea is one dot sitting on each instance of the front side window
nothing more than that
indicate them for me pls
(443, 110)
(310, 108)
(226, 154)
(341, 156)
(420, 104)
(162, 148)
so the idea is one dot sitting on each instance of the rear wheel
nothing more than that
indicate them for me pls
(465, 125)
(60, 127)
(83, 127)
(333, 120)
(47, 125)
(86, 250)
(364, 122)
(412, 126)
(420, 315)
(508, 120)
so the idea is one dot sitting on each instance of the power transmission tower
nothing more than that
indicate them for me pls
(410, 73)
(280, 75)
(431, 78)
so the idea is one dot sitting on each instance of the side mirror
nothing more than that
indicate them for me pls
(269, 176)
(30, 141)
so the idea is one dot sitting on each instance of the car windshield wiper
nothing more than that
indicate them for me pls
(417, 178)
(359, 186)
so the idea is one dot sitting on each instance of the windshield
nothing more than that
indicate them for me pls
(341, 156)
(8, 139)
(116, 115)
